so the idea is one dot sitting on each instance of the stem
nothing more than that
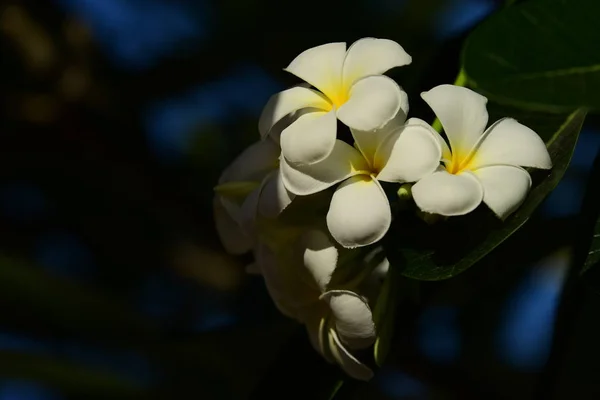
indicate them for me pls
(461, 80)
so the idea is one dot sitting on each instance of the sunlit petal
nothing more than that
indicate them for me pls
(253, 164)
(462, 113)
(320, 257)
(288, 101)
(343, 162)
(504, 188)
(511, 143)
(274, 197)
(373, 102)
(321, 66)
(350, 364)
(446, 153)
(310, 138)
(368, 141)
(353, 318)
(371, 56)
(408, 154)
(359, 213)
(447, 194)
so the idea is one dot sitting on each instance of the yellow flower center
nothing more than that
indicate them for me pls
(460, 161)
(338, 94)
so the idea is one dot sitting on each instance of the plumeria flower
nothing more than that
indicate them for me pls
(359, 213)
(350, 88)
(251, 184)
(297, 278)
(478, 164)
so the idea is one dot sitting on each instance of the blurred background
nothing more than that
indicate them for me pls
(117, 119)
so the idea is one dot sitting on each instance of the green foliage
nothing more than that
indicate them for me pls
(447, 248)
(541, 54)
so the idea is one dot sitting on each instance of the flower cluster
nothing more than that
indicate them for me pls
(301, 155)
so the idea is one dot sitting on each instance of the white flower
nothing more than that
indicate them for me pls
(252, 183)
(297, 276)
(359, 213)
(478, 165)
(352, 90)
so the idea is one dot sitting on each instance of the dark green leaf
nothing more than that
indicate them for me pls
(445, 249)
(542, 54)
(383, 316)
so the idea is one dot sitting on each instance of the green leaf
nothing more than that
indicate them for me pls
(383, 316)
(542, 55)
(447, 248)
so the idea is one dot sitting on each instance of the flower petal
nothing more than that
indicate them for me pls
(310, 138)
(248, 212)
(320, 256)
(462, 113)
(446, 153)
(408, 154)
(353, 318)
(371, 56)
(511, 143)
(231, 235)
(274, 197)
(359, 213)
(253, 164)
(346, 360)
(446, 194)
(321, 66)
(290, 297)
(343, 162)
(504, 188)
(280, 105)
(318, 331)
(373, 102)
(368, 141)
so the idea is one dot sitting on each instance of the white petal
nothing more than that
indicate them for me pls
(353, 318)
(446, 194)
(368, 141)
(230, 233)
(248, 212)
(511, 143)
(346, 360)
(253, 164)
(318, 330)
(274, 197)
(504, 188)
(321, 66)
(343, 162)
(359, 213)
(283, 283)
(462, 113)
(408, 154)
(291, 100)
(310, 138)
(320, 257)
(446, 153)
(370, 56)
(373, 102)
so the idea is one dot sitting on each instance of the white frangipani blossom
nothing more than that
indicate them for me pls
(478, 164)
(350, 87)
(359, 213)
(297, 278)
(250, 184)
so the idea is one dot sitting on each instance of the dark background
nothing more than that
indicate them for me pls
(117, 118)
